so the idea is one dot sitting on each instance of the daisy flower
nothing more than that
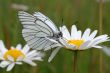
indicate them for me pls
(78, 41)
(17, 55)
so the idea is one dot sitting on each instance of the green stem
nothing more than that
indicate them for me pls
(13, 70)
(100, 32)
(75, 62)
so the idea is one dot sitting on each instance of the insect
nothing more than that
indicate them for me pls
(39, 31)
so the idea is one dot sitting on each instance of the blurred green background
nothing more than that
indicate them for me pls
(84, 12)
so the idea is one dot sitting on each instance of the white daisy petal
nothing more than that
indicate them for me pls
(53, 54)
(10, 66)
(65, 32)
(93, 34)
(20, 58)
(31, 52)
(18, 63)
(61, 29)
(86, 34)
(32, 55)
(29, 62)
(84, 45)
(99, 39)
(79, 35)
(12, 47)
(96, 46)
(19, 46)
(2, 47)
(10, 58)
(64, 42)
(37, 58)
(26, 49)
(3, 64)
(1, 56)
(71, 47)
(73, 32)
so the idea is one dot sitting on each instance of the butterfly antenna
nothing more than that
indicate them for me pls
(62, 22)
(76, 22)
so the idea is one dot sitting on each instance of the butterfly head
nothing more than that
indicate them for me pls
(59, 34)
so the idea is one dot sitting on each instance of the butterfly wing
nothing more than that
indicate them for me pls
(46, 20)
(35, 30)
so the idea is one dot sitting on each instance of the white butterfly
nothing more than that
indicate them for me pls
(40, 32)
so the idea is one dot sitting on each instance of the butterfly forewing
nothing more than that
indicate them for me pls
(46, 20)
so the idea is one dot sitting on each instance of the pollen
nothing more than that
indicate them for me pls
(13, 53)
(77, 43)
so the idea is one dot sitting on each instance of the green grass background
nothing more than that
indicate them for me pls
(85, 12)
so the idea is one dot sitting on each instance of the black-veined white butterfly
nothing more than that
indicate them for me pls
(40, 32)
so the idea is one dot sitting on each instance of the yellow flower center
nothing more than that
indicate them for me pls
(13, 53)
(77, 43)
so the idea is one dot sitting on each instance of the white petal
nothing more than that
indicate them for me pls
(79, 35)
(10, 58)
(2, 47)
(1, 56)
(96, 46)
(20, 58)
(85, 35)
(12, 47)
(53, 54)
(10, 66)
(64, 42)
(3, 64)
(37, 58)
(33, 55)
(71, 47)
(65, 32)
(74, 32)
(84, 45)
(29, 62)
(60, 28)
(19, 63)
(31, 52)
(26, 49)
(98, 40)
(100, 37)
(19, 46)
(101, 41)
(93, 34)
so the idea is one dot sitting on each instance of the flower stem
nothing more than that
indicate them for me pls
(100, 32)
(75, 62)
(13, 70)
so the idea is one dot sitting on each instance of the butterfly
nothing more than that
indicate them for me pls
(40, 32)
